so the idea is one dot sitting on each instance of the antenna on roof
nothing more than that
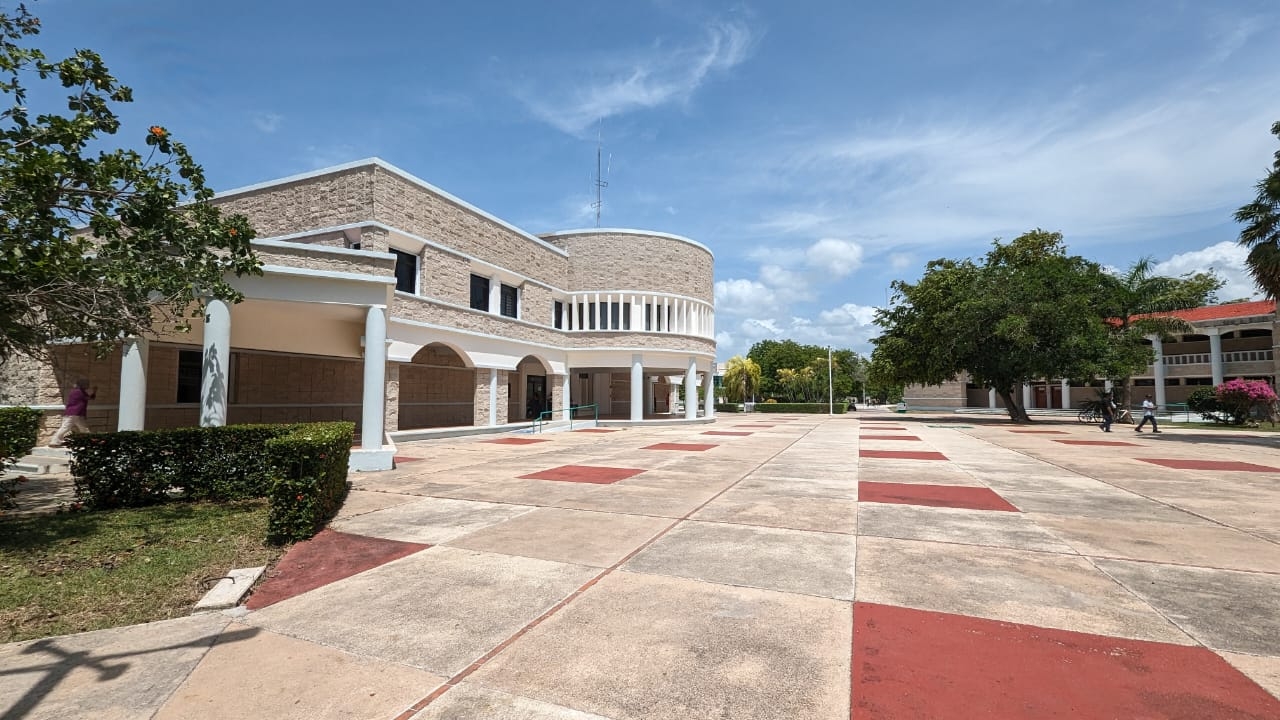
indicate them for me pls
(602, 181)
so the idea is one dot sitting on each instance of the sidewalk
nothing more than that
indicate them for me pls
(873, 565)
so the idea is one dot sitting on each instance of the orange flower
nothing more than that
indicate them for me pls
(158, 131)
(232, 232)
(299, 496)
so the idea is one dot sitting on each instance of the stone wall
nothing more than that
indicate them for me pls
(445, 276)
(639, 262)
(437, 390)
(312, 257)
(338, 198)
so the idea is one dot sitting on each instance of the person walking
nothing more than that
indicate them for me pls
(73, 418)
(1148, 413)
(1108, 412)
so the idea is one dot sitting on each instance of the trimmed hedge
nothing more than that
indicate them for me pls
(310, 468)
(18, 429)
(728, 407)
(302, 468)
(815, 408)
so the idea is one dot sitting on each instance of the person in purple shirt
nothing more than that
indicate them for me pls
(77, 409)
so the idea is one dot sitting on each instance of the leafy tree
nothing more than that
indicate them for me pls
(91, 246)
(774, 355)
(741, 379)
(1137, 304)
(789, 383)
(1028, 310)
(848, 368)
(1261, 233)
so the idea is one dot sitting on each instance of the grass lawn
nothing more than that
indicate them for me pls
(73, 572)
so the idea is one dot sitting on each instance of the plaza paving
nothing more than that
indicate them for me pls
(865, 566)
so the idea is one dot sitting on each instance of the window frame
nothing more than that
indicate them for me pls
(417, 269)
(475, 280)
(513, 296)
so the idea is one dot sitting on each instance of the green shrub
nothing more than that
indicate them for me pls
(1204, 400)
(18, 429)
(815, 408)
(135, 468)
(728, 407)
(310, 469)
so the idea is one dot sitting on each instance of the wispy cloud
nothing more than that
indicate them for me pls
(1226, 259)
(660, 75)
(267, 122)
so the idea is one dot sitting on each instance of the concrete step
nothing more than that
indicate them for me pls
(43, 461)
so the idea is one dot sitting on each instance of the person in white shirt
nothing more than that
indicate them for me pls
(1148, 413)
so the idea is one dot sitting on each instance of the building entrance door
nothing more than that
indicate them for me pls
(535, 393)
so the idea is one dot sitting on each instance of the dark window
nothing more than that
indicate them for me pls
(406, 271)
(648, 317)
(558, 315)
(189, 375)
(1144, 382)
(615, 314)
(626, 316)
(509, 304)
(479, 293)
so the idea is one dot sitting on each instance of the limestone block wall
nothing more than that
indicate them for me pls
(404, 205)
(314, 258)
(636, 261)
(437, 390)
(445, 276)
(339, 198)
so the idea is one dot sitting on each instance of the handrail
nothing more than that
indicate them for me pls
(571, 411)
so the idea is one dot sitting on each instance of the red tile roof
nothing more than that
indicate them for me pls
(1223, 312)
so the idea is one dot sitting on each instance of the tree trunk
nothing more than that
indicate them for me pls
(1017, 413)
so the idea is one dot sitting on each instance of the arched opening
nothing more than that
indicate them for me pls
(529, 389)
(437, 389)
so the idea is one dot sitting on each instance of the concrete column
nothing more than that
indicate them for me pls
(1066, 394)
(495, 296)
(991, 398)
(666, 325)
(596, 314)
(493, 397)
(673, 395)
(1027, 398)
(375, 378)
(217, 357)
(566, 393)
(606, 317)
(637, 314)
(637, 387)
(1158, 345)
(709, 409)
(691, 390)
(650, 406)
(559, 390)
(391, 414)
(133, 384)
(1215, 355)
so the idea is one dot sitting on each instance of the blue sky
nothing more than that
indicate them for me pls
(821, 149)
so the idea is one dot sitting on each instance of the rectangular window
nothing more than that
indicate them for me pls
(648, 317)
(189, 376)
(406, 271)
(557, 315)
(510, 304)
(626, 316)
(479, 293)
(615, 314)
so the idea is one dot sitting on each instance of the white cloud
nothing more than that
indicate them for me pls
(658, 76)
(740, 296)
(267, 122)
(1226, 259)
(838, 257)
(900, 261)
(848, 314)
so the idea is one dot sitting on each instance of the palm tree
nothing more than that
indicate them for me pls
(1139, 302)
(787, 379)
(741, 379)
(1261, 233)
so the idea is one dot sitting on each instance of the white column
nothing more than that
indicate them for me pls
(375, 378)
(648, 394)
(1066, 394)
(691, 390)
(991, 398)
(595, 313)
(566, 401)
(1158, 345)
(1215, 355)
(607, 323)
(666, 325)
(495, 296)
(1026, 396)
(133, 384)
(673, 395)
(217, 355)
(493, 397)
(573, 312)
(637, 314)
(709, 409)
(637, 387)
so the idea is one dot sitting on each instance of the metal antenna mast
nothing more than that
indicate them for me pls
(601, 183)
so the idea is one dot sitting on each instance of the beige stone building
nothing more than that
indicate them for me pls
(1236, 340)
(391, 303)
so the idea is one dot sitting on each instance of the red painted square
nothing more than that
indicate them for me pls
(328, 557)
(596, 430)
(405, 459)
(1040, 432)
(951, 496)
(889, 437)
(1225, 465)
(585, 474)
(513, 441)
(1100, 443)
(688, 447)
(878, 428)
(902, 454)
(726, 432)
(920, 664)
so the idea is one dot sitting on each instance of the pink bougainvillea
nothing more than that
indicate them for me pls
(1238, 398)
